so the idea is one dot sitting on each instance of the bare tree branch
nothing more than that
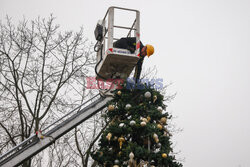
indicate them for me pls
(41, 78)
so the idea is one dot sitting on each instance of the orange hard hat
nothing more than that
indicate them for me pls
(150, 50)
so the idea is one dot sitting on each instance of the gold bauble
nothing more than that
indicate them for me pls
(154, 98)
(112, 122)
(163, 120)
(143, 123)
(156, 140)
(109, 135)
(155, 136)
(148, 118)
(131, 155)
(144, 120)
(120, 153)
(119, 92)
(101, 153)
(115, 166)
(159, 126)
(164, 155)
(111, 107)
(121, 140)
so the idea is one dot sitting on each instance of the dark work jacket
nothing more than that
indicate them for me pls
(127, 43)
(130, 44)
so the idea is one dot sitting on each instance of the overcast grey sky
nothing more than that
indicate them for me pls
(202, 46)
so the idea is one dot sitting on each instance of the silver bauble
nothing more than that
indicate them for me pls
(132, 122)
(116, 161)
(147, 95)
(128, 106)
(159, 109)
(121, 125)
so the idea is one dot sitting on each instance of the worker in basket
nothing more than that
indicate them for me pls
(130, 44)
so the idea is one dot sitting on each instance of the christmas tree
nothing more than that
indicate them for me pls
(137, 133)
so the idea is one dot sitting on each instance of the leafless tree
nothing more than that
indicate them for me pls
(42, 76)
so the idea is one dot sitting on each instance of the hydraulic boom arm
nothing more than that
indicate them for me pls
(34, 144)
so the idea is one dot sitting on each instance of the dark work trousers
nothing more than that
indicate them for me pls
(138, 69)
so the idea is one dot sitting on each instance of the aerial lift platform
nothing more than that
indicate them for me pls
(116, 62)
(110, 62)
